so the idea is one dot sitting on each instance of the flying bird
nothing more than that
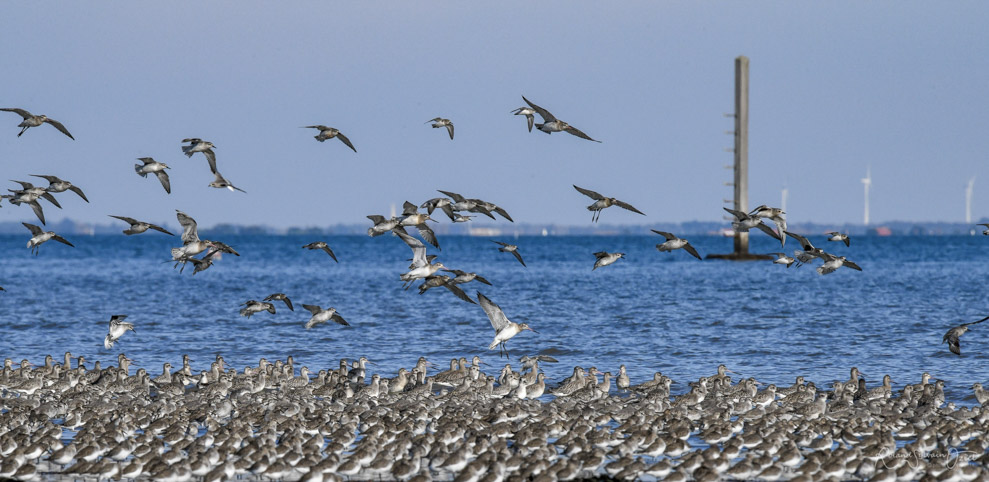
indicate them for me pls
(775, 215)
(552, 124)
(382, 225)
(191, 244)
(422, 265)
(510, 248)
(39, 237)
(31, 120)
(985, 232)
(953, 336)
(441, 122)
(220, 182)
(743, 222)
(280, 297)
(782, 258)
(602, 202)
(605, 258)
(151, 166)
(528, 112)
(836, 236)
(198, 145)
(504, 329)
(466, 277)
(58, 185)
(832, 263)
(329, 133)
(321, 245)
(808, 251)
(672, 242)
(251, 307)
(447, 282)
(412, 217)
(117, 329)
(138, 227)
(320, 315)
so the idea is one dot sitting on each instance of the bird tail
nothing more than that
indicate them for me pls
(138, 167)
(177, 253)
(186, 149)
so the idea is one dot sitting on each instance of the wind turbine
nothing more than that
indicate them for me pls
(785, 194)
(867, 181)
(968, 200)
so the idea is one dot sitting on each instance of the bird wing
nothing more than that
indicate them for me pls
(600, 254)
(58, 125)
(50, 179)
(339, 319)
(448, 209)
(48, 197)
(482, 280)
(449, 128)
(738, 214)
(288, 303)
(668, 236)
(459, 292)
(62, 240)
(320, 127)
(577, 132)
(501, 243)
(418, 249)
(165, 183)
(346, 141)
(497, 317)
(503, 213)
(21, 112)
(547, 117)
(479, 208)
(38, 211)
(847, 241)
(625, 205)
(126, 219)
(211, 158)
(456, 197)
(194, 140)
(146, 160)
(588, 193)
(975, 322)
(804, 243)
(330, 252)
(409, 209)
(427, 234)
(35, 230)
(531, 120)
(314, 309)
(189, 234)
(768, 230)
(160, 229)
(376, 218)
(849, 264)
(78, 191)
(518, 257)
(690, 249)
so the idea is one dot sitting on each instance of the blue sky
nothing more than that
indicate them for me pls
(835, 87)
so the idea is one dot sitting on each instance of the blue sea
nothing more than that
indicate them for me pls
(651, 311)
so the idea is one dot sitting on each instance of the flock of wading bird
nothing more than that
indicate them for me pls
(424, 267)
(268, 422)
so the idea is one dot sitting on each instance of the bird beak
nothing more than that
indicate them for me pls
(534, 331)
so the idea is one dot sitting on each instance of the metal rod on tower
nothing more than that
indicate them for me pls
(741, 148)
